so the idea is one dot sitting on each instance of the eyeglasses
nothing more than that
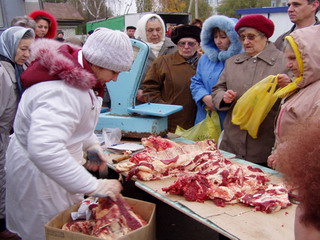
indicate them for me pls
(183, 43)
(250, 37)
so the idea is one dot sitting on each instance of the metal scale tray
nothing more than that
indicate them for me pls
(135, 120)
(155, 109)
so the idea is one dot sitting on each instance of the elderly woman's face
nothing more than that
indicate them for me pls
(154, 31)
(292, 63)
(187, 47)
(42, 28)
(23, 51)
(253, 42)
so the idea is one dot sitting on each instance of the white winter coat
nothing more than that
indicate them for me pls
(44, 158)
(54, 122)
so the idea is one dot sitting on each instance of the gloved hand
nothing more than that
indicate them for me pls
(96, 159)
(107, 188)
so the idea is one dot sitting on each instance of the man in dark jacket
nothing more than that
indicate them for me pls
(303, 14)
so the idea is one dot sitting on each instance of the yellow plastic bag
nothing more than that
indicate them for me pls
(209, 128)
(254, 105)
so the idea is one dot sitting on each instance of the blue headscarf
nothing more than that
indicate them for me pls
(9, 42)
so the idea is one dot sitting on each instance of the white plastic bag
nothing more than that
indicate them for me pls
(111, 136)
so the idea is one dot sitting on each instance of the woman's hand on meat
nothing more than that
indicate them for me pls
(229, 96)
(208, 101)
(283, 80)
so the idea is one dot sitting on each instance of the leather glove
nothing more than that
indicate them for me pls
(96, 159)
(107, 188)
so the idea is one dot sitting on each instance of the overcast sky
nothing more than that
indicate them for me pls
(120, 7)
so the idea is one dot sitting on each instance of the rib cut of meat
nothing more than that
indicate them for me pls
(152, 165)
(272, 199)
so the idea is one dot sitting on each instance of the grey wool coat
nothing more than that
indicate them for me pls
(242, 72)
(9, 101)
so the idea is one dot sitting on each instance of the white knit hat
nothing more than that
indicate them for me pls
(109, 49)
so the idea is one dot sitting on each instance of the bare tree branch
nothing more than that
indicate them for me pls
(93, 7)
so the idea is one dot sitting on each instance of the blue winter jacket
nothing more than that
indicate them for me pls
(211, 63)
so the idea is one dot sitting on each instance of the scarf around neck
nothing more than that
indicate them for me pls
(156, 47)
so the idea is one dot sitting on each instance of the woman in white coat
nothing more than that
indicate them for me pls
(14, 52)
(55, 124)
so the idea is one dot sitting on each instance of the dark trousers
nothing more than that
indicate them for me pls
(2, 225)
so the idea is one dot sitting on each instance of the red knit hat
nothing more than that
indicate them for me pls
(53, 26)
(257, 22)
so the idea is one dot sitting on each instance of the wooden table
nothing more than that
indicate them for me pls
(232, 221)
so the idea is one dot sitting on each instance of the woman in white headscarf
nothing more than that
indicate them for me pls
(151, 29)
(14, 52)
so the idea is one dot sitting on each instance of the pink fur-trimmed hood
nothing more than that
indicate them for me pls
(53, 60)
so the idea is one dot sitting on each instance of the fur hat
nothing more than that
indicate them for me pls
(257, 22)
(185, 31)
(53, 25)
(110, 49)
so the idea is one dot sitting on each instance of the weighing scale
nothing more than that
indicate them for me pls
(135, 121)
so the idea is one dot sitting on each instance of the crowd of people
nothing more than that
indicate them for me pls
(51, 91)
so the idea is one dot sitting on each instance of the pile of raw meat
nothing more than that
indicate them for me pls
(163, 158)
(229, 183)
(110, 220)
(203, 173)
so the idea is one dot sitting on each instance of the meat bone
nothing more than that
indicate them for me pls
(126, 155)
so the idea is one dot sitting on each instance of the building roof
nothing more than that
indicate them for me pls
(63, 12)
(262, 10)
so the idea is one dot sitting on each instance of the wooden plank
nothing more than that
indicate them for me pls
(258, 225)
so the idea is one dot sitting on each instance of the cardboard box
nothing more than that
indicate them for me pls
(145, 209)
